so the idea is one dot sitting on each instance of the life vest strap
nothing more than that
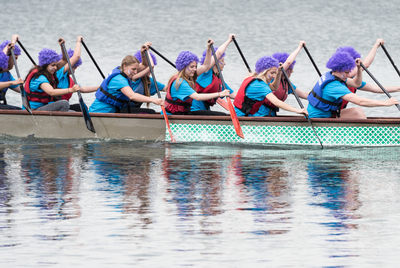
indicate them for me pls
(112, 97)
(324, 100)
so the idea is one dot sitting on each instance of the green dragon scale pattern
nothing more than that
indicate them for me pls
(296, 135)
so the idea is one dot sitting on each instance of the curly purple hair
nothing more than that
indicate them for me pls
(47, 56)
(3, 61)
(203, 57)
(17, 50)
(184, 59)
(265, 63)
(282, 57)
(70, 54)
(341, 62)
(349, 50)
(138, 55)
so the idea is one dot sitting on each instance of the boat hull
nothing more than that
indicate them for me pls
(290, 130)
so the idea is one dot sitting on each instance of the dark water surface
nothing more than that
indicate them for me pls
(169, 205)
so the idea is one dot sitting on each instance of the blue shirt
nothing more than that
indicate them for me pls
(256, 90)
(138, 87)
(5, 77)
(183, 92)
(266, 111)
(114, 88)
(331, 92)
(63, 78)
(204, 80)
(362, 85)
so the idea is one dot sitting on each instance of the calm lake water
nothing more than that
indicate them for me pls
(123, 203)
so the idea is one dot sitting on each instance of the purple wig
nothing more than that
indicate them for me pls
(282, 57)
(265, 63)
(184, 59)
(205, 52)
(3, 61)
(138, 55)
(70, 54)
(341, 62)
(17, 50)
(47, 56)
(349, 50)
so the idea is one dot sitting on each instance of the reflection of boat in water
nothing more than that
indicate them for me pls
(288, 130)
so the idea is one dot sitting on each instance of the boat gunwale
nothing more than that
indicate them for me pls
(177, 118)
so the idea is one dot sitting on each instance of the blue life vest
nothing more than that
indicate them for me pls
(315, 97)
(5, 77)
(102, 94)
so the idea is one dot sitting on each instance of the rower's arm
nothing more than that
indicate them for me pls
(375, 89)
(372, 53)
(353, 98)
(46, 87)
(293, 55)
(207, 61)
(127, 91)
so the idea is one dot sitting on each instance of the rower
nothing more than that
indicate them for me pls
(181, 88)
(64, 78)
(6, 79)
(282, 89)
(326, 98)
(255, 89)
(41, 83)
(209, 82)
(117, 89)
(143, 85)
(364, 86)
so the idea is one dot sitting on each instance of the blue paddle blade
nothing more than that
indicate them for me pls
(86, 116)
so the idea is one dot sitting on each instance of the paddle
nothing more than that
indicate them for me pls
(164, 58)
(159, 95)
(301, 105)
(312, 60)
(219, 101)
(26, 52)
(90, 55)
(379, 84)
(232, 112)
(85, 112)
(241, 54)
(25, 101)
(390, 59)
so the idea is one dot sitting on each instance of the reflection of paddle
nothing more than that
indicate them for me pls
(312, 60)
(25, 102)
(159, 95)
(300, 104)
(219, 101)
(26, 52)
(241, 54)
(234, 118)
(95, 63)
(85, 112)
(390, 59)
(379, 84)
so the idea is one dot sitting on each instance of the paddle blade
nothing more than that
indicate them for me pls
(25, 101)
(167, 123)
(234, 118)
(223, 104)
(86, 116)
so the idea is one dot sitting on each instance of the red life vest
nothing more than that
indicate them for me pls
(281, 93)
(244, 103)
(176, 106)
(344, 103)
(41, 97)
(214, 87)
(70, 84)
